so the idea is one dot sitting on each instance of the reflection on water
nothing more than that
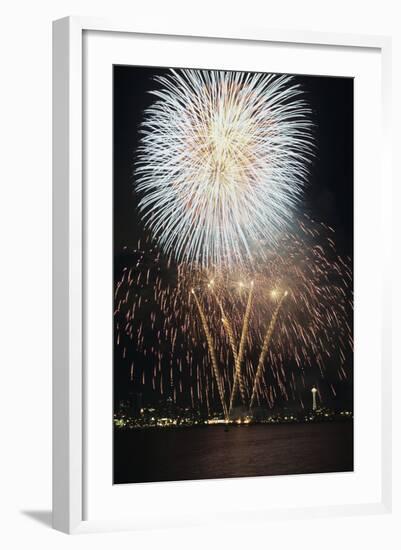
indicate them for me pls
(211, 452)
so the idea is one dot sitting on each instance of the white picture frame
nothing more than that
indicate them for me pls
(70, 426)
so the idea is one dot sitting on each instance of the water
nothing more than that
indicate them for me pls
(209, 452)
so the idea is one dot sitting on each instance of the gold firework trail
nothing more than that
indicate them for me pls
(265, 348)
(161, 340)
(238, 381)
(226, 323)
(212, 352)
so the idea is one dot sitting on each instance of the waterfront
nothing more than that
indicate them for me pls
(210, 452)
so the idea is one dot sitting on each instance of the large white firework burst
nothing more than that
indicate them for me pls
(222, 162)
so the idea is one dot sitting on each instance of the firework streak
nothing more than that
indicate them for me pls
(265, 347)
(244, 335)
(161, 341)
(222, 162)
(212, 353)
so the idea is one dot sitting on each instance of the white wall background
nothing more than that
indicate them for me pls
(25, 291)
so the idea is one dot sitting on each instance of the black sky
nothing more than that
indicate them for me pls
(328, 197)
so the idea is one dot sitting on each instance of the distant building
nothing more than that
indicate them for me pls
(314, 401)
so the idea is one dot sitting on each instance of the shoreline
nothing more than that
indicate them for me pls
(234, 424)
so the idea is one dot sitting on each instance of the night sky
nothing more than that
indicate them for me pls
(328, 197)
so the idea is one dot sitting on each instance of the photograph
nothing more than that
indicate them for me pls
(233, 277)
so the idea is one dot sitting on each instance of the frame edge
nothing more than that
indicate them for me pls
(67, 276)
(67, 249)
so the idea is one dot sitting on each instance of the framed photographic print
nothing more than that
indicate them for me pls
(219, 325)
